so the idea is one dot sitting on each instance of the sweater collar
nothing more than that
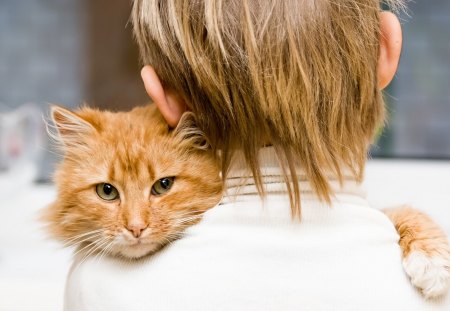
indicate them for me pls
(240, 183)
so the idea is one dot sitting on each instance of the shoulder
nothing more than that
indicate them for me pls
(237, 261)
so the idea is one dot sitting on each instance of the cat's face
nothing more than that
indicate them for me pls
(127, 185)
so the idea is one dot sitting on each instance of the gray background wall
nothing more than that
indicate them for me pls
(67, 52)
(41, 52)
(419, 97)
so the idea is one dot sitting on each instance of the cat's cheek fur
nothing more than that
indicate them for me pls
(431, 274)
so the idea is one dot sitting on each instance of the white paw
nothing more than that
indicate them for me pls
(430, 274)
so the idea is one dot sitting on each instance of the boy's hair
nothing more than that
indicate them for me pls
(300, 74)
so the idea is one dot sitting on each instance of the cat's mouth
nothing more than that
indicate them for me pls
(127, 246)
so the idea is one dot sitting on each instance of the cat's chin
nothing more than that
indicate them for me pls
(136, 251)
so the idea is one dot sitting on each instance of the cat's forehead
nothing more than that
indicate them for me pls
(146, 119)
(137, 144)
(137, 166)
(133, 130)
(140, 150)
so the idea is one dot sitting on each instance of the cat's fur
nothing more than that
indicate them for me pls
(132, 150)
(425, 250)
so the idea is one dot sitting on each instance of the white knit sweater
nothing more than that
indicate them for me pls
(249, 255)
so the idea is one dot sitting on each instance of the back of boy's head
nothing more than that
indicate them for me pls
(300, 74)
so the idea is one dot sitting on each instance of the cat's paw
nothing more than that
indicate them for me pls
(431, 275)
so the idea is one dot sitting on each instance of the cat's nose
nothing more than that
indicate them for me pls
(136, 229)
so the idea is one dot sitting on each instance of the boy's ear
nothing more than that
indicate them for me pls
(390, 48)
(168, 102)
(69, 125)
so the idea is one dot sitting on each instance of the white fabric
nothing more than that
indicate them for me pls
(249, 255)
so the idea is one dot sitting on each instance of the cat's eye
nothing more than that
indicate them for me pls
(162, 185)
(107, 192)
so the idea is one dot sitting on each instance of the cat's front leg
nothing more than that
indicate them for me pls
(426, 251)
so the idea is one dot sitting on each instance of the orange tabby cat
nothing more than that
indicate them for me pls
(128, 185)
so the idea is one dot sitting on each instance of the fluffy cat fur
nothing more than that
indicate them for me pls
(133, 150)
(425, 250)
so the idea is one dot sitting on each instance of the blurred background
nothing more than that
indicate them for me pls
(65, 52)
(419, 97)
(69, 52)
(74, 51)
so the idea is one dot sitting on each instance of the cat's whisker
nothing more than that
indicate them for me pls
(89, 246)
(106, 243)
(181, 225)
(168, 241)
(81, 242)
(79, 236)
(186, 218)
(96, 246)
(86, 240)
(174, 236)
(190, 213)
(189, 219)
(86, 233)
(83, 239)
(83, 248)
(106, 249)
(186, 222)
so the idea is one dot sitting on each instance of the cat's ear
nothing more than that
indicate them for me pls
(188, 131)
(69, 126)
